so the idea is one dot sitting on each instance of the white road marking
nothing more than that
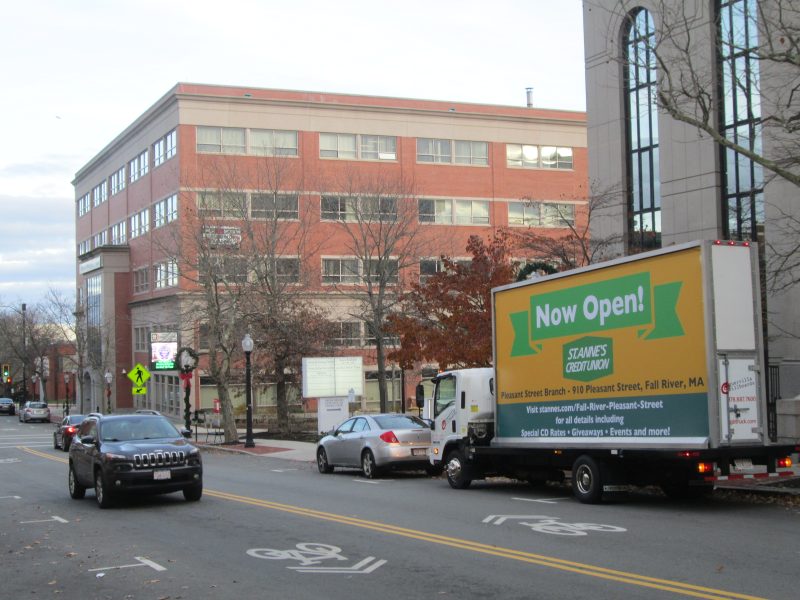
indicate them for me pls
(53, 518)
(10, 497)
(550, 501)
(367, 481)
(143, 562)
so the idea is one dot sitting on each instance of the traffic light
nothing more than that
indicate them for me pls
(6, 371)
(8, 380)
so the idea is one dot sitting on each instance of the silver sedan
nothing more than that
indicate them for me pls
(375, 443)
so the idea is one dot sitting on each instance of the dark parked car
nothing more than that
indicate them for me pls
(121, 454)
(62, 436)
(7, 406)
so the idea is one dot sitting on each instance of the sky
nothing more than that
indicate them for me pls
(76, 73)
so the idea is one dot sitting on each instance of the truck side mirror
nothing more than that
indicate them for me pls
(420, 396)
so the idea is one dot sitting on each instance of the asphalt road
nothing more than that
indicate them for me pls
(273, 528)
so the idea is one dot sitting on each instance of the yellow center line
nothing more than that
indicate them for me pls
(666, 585)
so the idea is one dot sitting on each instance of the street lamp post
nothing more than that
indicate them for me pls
(24, 357)
(247, 346)
(66, 393)
(109, 378)
(188, 361)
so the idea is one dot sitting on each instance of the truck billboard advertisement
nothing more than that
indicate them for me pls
(611, 353)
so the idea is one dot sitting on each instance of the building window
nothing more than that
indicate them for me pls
(165, 211)
(274, 206)
(435, 211)
(434, 151)
(141, 339)
(367, 209)
(381, 271)
(231, 205)
(118, 181)
(224, 140)
(101, 238)
(165, 148)
(472, 153)
(541, 214)
(472, 212)
(428, 268)
(461, 212)
(165, 274)
(118, 234)
(340, 270)
(644, 200)
(348, 333)
(139, 166)
(100, 194)
(84, 204)
(141, 280)
(140, 223)
(84, 247)
(430, 150)
(527, 156)
(287, 269)
(740, 115)
(357, 146)
(377, 147)
(272, 142)
(94, 317)
(223, 269)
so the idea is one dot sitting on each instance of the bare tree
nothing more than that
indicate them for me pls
(768, 40)
(583, 236)
(378, 216)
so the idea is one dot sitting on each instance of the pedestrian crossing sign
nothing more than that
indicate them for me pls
(139, 376)
(139, 391)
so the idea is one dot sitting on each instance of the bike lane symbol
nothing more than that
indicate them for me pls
(552, 525)
(311, 554)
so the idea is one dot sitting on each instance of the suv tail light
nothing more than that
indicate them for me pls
(785, 462)
(389, 437)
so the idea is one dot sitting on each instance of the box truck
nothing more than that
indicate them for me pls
(646, 370)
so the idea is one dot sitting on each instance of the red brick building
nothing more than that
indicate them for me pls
(300, 156)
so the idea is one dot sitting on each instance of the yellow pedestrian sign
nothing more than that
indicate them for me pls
(139, 376)
(139, 391)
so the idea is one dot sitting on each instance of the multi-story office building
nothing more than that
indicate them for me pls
(206, 160)
(662, 79)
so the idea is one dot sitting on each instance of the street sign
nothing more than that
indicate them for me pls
(139, 391)
(139, 375)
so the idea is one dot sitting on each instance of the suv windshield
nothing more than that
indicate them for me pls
(137, 428)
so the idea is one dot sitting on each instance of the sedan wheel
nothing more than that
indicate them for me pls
(368, 466)
(322, 461)
(76, 490)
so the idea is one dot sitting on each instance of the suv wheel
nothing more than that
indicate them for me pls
(76, 490)
(193, 493)
(102, 494)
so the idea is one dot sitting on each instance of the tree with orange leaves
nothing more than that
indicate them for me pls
(448, 319)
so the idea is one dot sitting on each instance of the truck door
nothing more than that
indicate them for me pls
(444, 411)
(739, 393)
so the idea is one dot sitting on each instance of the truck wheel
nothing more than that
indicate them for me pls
(588, 477)
(459, 473)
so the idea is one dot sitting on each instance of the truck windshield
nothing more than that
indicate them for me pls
(445, 394)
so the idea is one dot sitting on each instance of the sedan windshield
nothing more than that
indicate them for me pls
(37, 405)
(400, 422)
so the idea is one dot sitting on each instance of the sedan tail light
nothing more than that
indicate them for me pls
(70, 429)
(389, 437)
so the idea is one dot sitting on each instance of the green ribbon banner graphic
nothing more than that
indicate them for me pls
(627, 301)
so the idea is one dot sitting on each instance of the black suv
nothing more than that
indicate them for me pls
(133, 453)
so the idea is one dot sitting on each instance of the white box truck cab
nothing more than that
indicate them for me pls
(646, 370)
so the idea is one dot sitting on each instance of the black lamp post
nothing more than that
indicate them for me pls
(247, 346)
(66, 393)
(187, 358)
(109, 378)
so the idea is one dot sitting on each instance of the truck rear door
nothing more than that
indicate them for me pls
(740, 417)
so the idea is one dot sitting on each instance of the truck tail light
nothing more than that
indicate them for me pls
(389, 437)
(705, 467)
(784, 463)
